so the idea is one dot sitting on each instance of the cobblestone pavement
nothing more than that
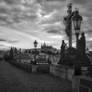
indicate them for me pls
(16, 80)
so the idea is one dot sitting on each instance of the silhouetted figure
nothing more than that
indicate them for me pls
(83, 43)
(11, 54)
(82, 57)
(81, 46)
(62, 53)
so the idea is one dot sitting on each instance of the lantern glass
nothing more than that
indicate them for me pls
(77, 19)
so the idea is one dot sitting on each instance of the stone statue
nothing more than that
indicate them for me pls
(82, 44)
(62, 52)
(82, 50)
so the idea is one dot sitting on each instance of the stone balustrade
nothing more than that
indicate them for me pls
(82, 84)
(62, 71)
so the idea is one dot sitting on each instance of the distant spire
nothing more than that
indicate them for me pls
(44, 44)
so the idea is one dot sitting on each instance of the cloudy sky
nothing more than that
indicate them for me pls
(23, 21)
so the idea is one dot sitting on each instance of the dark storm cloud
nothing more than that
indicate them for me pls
(55, 0)
(9, 1)
(2, 45)
(12, 41)
(8, 41)
(39, 1)
(54, 31)
(89, 32)
(49, 0)
(4, 19)
(3, 10)
(12, 1)
(3, 40)
(1, 0)
(55, 28)
(85, 3)
(80, 1)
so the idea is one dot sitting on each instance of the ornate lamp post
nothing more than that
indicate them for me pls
(72, 16)
(77, 19)
(35, 45)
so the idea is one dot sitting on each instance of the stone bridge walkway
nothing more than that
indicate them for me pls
(16, 80)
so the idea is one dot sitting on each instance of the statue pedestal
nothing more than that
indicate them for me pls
(34, 68)
(75, 83)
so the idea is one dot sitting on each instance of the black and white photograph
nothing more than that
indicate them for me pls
(45, 45)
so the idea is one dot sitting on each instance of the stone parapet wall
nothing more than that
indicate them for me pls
(62, 71)
(82, 84)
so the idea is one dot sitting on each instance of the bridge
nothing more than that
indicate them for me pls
(13, 79)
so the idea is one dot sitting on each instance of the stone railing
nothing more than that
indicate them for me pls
(82, 84)
(62, 71)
